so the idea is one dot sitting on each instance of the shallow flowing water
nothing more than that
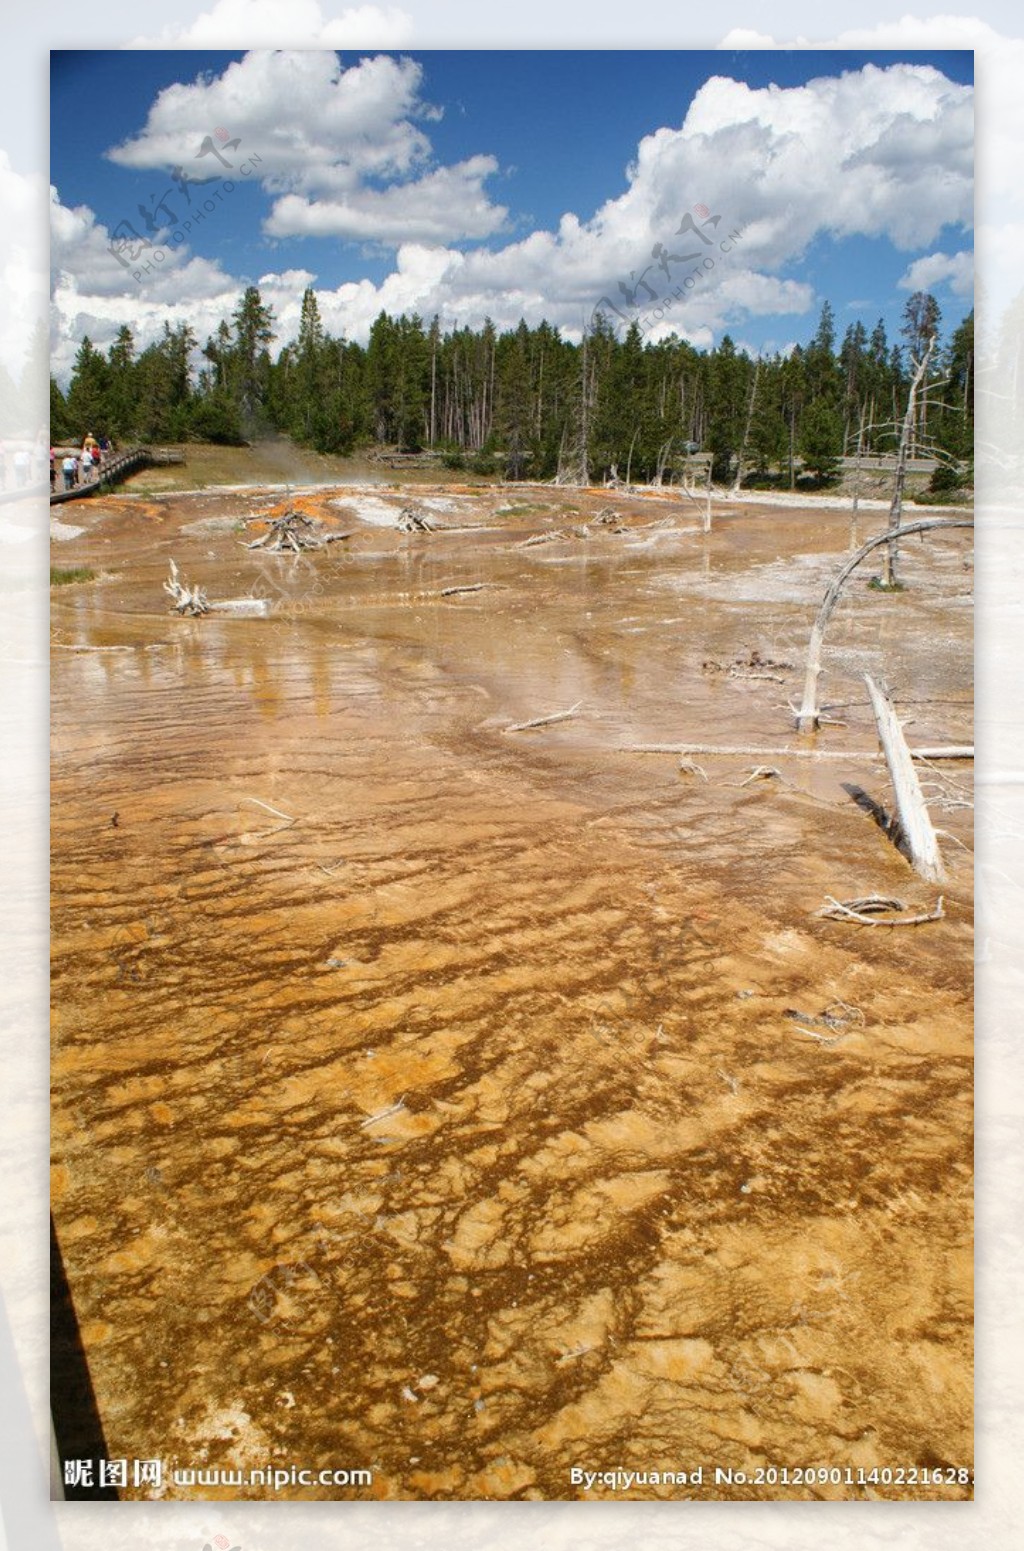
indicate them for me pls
(429, 1097)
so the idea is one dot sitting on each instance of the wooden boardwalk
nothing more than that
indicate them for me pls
(114, 469)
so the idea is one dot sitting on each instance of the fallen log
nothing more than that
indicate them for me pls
(742, 751)
(258, 608)
(915, 822)
(544, 538)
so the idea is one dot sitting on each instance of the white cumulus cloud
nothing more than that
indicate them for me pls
(273, 23)
(322, 138)
(953, 269)
(440, 206)
(96, 286)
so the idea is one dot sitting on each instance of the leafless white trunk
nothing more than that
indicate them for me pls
(741, 459)
(899, 485)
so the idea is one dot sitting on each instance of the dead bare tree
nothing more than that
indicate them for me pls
(742, 455)
(900, 479)
(809, 713)
(629, 459)
(705, 509)
(663, 457)
(856, 476)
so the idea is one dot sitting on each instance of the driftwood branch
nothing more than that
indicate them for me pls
(865, 911)
(544, 721)
(809, 715)
(762, 773)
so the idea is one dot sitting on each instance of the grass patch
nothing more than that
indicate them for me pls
(63, 576)
(958, 497)
(877, 585)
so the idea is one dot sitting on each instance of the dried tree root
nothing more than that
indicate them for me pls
(296, 532)
(187, 600)
(412, 521)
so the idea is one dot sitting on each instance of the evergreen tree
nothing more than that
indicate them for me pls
(729, 389)
(527, 401)
(821, 440)
(822, 372)
(514, 409)
(248, 362)
(306, 406)
(122, 397)
(921, 318)
(955, 428)
(87, 392)
(852, 361)
(162, 377)
(60, 421)
(769, 432)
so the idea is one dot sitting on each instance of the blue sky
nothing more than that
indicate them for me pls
(499, 183)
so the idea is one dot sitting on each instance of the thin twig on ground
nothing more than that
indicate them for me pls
(383, 1114)
(275, 811)
(544, 721)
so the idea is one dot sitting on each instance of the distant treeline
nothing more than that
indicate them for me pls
(527, 403)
